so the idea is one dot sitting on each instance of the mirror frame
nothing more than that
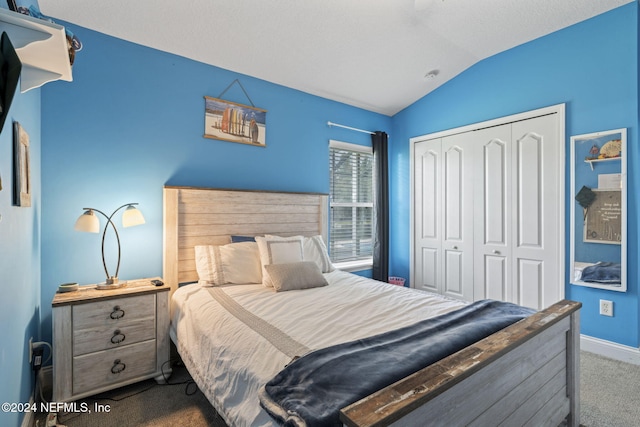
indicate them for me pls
(623, 206)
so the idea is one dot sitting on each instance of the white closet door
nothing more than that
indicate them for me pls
(488, 210)
(493, 213)
(427, 215)
(516, 226)
(536, 222)
(457, 216)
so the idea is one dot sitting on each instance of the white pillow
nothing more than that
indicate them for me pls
(235, 263)
(295, 275)
(278, 250)
(315, 250)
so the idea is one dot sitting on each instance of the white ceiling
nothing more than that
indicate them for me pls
(372, 54)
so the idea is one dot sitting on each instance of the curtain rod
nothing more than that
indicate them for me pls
(350, 128)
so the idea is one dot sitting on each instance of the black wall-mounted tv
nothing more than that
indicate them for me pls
(10, 67)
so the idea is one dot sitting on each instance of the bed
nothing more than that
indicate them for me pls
(524, 374)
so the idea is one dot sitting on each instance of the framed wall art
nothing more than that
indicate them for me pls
(230, 121)
(21, 167)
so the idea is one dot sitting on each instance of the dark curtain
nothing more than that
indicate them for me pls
(381, 207)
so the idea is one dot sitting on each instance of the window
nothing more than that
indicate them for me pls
(351, 204)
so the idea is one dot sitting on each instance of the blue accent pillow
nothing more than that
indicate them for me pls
(237, 239)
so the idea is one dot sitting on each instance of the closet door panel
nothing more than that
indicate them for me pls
(457, 216)
(429, 177)
(427, 215)
(453, 193)
(429, 269)
(529, 191)
(495, 270)
(454, 275)
(536, 250)
(530, 278)
(492, 226)
(494, 158)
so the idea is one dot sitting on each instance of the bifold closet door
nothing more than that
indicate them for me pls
(443, 216)
(457, 219)
(536, 222)
(493, 214)
(516, 221)
(427, 217)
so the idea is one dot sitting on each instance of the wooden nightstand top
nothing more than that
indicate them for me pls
(89, 293)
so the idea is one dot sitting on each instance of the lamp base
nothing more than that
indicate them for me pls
(106, 285)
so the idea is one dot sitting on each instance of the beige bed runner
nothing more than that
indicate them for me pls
(275, 336)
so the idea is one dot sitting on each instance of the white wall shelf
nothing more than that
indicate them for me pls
(608, 159)
(41, 46)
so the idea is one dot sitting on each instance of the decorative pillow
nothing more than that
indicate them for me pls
(295, 275)
(315, 250)
(278, 250)
(235, 263)
(237, 239)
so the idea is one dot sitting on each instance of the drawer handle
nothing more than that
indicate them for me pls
(117, 337)
(117, 367)
(117, 313)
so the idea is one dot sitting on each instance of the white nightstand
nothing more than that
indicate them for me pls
(104, 339)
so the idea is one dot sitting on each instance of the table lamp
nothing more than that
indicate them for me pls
(88, 222)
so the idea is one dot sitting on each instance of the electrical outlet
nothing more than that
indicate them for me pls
(606, 308)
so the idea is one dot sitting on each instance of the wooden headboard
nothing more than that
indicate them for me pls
(208, 216)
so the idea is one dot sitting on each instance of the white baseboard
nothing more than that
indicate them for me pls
(610, 349)
(29, 419)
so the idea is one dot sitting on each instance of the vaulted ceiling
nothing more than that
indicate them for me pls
(380, 55)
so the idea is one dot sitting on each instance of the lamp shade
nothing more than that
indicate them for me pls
(132, 217)
(88, 222)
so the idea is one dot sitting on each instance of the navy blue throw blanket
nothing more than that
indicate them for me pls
(311, 390)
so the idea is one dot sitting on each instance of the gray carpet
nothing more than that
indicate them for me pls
(610, 392)
(610, 397)
(146, 404)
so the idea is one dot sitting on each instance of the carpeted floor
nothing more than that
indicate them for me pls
(146, 404)
(609, 392)
(610, 397)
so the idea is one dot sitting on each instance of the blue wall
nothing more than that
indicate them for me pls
(593, 68)
(133, 119)
(19, 260)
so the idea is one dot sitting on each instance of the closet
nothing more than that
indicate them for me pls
(488, 212)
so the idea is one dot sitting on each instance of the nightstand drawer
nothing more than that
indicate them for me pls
(114, 312)
(106, 337)
(96, 370)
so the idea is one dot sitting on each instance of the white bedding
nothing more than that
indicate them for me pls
(230, 362)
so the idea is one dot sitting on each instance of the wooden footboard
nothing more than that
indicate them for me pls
(526, 374)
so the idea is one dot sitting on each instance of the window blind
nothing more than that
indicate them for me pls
(351, 202)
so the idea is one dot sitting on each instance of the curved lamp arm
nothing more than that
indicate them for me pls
(88, 211)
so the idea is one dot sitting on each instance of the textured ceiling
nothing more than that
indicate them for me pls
(372, 54)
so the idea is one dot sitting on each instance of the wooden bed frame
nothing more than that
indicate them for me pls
(526, 374)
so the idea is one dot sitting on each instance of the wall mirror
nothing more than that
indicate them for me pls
(598, 234)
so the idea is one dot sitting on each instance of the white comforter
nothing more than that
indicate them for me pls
(230, 362)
